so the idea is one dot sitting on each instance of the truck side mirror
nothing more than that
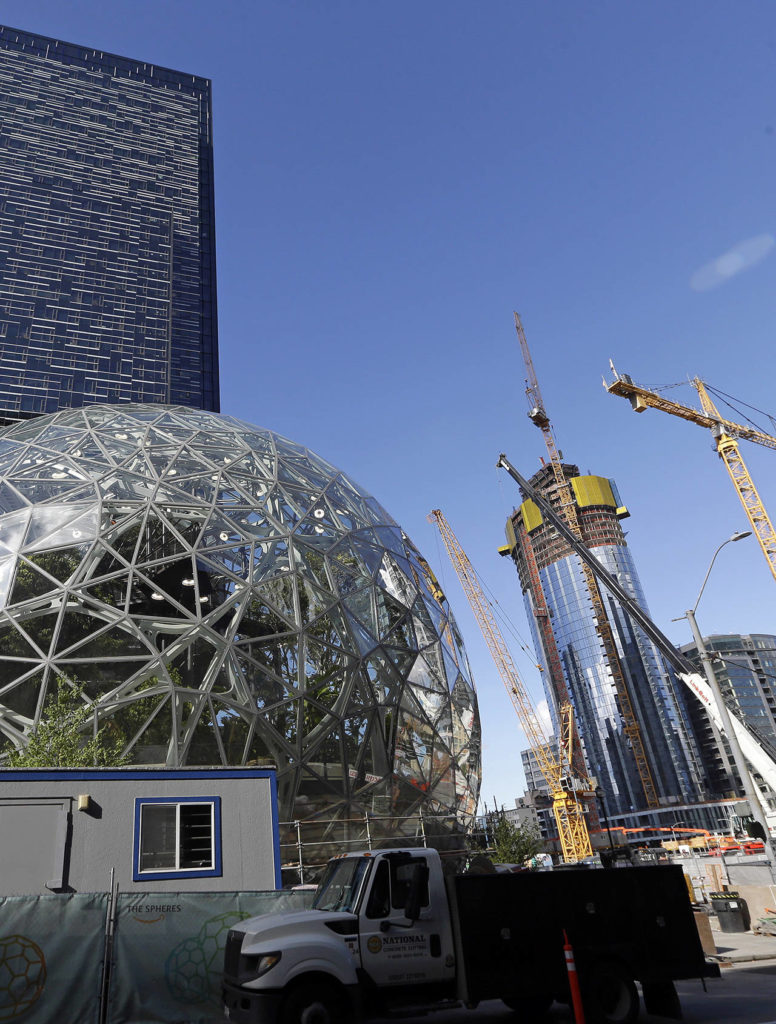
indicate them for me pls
(417, 891)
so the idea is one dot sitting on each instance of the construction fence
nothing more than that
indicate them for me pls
(122, 958)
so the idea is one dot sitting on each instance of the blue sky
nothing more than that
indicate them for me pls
(393, 179)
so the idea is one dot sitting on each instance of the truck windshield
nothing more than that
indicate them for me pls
(341, 884)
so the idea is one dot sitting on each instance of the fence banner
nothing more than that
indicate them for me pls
(51, 950)
(168, 952)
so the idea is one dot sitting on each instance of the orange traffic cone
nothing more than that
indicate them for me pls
(571, 969)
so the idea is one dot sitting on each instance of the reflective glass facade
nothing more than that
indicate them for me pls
(745, 667)
(565, 635)
(230, 598)
(107, 246)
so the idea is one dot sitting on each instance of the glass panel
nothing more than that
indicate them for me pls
(279, 594)
(149, 717)
(204, 749)
(157, 837)
(10, 498)
(29, 583)
(196, 836)
(13, 528)
(341, 884)
(379, 904)
(39, 626)
(403, 872)
(13, 645)
(47, 528)
(22, 699)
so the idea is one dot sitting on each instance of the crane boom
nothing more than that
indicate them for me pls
(757, 756)
(568, 508)
(642, 399)
(726, 434)
(569, 815)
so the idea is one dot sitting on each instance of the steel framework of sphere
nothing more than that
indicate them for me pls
(227, 597)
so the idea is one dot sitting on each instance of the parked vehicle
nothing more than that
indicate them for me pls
(389, 930)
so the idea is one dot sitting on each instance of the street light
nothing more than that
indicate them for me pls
(752, 795)
(738, 535)
(674, 826)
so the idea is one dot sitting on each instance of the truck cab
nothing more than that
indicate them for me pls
(378, 935)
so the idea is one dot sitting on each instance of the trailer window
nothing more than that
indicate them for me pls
(177, 838)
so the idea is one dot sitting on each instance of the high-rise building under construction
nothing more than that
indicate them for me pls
(563, 622)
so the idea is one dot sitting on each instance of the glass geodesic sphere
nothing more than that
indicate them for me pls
(227, 597)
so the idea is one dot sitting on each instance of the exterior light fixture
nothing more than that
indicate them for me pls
(188, 583)
(738, 535)
(156, 596)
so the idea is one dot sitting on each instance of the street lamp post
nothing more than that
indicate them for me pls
(674, 826)
(752, 795)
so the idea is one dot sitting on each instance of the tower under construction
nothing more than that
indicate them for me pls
(631, 717)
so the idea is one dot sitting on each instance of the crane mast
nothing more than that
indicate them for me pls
(726, 435)
(569, 814)
(568, 511)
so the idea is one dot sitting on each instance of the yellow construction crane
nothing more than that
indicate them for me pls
(569, 813)
(568, 511)
(725, 434)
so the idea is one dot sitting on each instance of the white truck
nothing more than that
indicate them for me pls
(390, 931)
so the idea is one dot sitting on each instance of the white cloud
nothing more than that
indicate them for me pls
(741, 257)
(543, 715)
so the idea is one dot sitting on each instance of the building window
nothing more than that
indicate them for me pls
(177, 837)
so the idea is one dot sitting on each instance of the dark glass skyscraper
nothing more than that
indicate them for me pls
(562, 620)
(107, 235)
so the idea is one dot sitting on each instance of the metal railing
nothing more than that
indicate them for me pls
(307, 845)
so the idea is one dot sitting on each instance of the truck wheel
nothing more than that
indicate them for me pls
(609, 995)
(661, 998)
(313, 1003)
(531, 1007)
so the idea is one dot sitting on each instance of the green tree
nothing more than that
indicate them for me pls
(515, 844)
(60, 739)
